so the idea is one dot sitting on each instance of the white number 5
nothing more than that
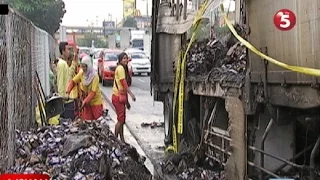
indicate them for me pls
(285, 22)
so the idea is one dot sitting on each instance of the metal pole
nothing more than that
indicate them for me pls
(177, 9)
(198, 4)
(147, 8)
(185, 9)
(123, 10)
(313, 175)
(264, 137)
(291, 159)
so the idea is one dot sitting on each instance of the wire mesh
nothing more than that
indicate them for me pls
(24, 49)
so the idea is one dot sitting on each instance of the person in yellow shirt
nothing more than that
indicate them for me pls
(89, 80)
(64, 75)
(119, 96)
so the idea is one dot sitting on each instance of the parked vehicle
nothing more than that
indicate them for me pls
(84, 50)
(137, 43)
(133, 50)
(140, 63)
(107, 64)
(139, 60)
(95, 58)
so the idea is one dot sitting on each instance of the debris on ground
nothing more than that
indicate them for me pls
(187, 166)
(220, 60)
(86, 150)
(153, 124)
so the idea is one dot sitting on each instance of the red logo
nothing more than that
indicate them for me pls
(24, 177)
(284, 19)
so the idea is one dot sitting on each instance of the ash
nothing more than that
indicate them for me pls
(221, 60)
(192, 165)
(78, 151)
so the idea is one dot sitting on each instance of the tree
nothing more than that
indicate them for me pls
(45, 14)
(88, 38)
(130, 22)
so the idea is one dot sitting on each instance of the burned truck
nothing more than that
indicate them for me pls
(257, 119)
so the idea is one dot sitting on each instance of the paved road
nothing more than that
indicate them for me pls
(144, 110)
(141, 82)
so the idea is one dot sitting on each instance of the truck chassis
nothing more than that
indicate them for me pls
(269, 127)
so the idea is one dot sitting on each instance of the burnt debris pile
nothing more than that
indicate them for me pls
(85, 150)
(220, 60)
(188, 166)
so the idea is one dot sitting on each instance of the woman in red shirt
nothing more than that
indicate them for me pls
(120, 94)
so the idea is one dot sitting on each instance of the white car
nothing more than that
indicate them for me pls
(140, 63)
(95, 59)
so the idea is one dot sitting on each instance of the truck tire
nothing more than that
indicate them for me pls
(168, 117)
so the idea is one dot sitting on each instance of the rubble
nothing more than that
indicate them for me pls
(86, 150)
(221, 60)
(187, 166)
(153, 124)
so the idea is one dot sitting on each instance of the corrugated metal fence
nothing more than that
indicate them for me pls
(24, 49)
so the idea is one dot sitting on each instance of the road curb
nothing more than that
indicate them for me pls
(155, 164)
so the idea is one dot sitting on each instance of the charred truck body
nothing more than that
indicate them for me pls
(259, 120)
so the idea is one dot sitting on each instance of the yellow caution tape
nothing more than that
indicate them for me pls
(176, 82)
(177, 78)
(180, 78)
(195, 26)
(168, 150)
(181, 98)
(174, 138)
(299, 69)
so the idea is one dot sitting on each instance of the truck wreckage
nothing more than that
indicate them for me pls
(245, 117)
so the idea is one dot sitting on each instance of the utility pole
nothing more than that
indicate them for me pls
(104, 27)
(147, 8)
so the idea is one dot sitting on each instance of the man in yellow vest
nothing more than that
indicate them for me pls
(65, 73)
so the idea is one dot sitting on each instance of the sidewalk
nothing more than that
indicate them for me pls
(157, 173)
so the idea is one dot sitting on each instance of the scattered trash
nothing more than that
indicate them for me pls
(161, 148)
(187, 166)
(153, 124)
(78, 150)
(220, 60)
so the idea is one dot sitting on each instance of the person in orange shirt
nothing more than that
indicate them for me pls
(89, 80)
(119, 96)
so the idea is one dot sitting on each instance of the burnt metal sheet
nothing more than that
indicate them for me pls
(300, 46)
(236, 166)
(301, 97)
(169, 24)
(204, 88)
(169, 48)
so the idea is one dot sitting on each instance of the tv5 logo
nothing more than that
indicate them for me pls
(284, 20)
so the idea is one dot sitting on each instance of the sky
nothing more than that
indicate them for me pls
(86, 12)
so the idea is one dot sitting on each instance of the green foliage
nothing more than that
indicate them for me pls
(88, 38)
(130, 22)
(45, 14)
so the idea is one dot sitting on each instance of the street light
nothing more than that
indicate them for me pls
(110, 17)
